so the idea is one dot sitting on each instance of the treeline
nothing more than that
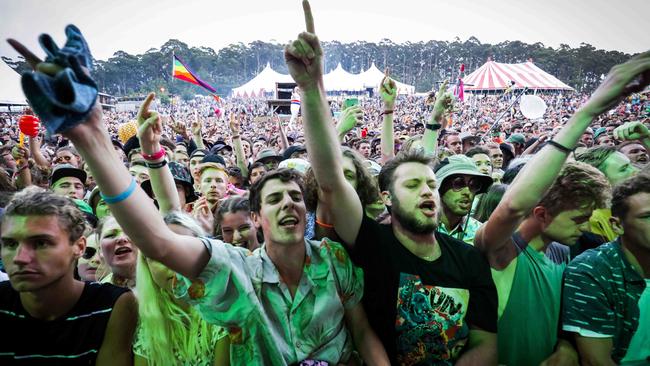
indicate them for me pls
(419, 64)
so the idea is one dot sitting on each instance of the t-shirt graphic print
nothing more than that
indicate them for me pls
(430, 323)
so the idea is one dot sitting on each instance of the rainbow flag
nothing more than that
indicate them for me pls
(181, 71)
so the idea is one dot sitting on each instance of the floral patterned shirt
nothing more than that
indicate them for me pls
(243, 292)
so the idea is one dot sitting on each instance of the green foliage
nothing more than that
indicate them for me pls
(420, 64)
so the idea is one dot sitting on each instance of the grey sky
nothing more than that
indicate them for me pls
(136, 25)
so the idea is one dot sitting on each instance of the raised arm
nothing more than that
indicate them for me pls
(35, 151)
(539, 173)
(197, 128)
(444, 103)
(242, 164)
(388, 92)
(284, 142)
(304, 58)
(162, 181)
(130, 205)
(23, 174)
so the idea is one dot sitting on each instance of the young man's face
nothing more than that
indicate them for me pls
(282, 213)
(69, 186)
(496, 156)
(181, 158)
(350, 171)
(364, 150)
(139, 172)
(483, 163)
(414, 198)
(457, 198)
(195, 161)
(617, 167)
(587, 139)
(37, 252)
(454, 144)
(237, 228)
(636, 223)
(567, 226)
(605, 140)
(636, 153)
(214, 183)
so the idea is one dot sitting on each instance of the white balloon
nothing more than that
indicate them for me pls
(532, 106)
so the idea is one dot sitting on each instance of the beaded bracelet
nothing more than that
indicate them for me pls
(559, 146)
(122, 196)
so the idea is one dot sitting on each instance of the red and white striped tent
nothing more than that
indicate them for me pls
(495, 76)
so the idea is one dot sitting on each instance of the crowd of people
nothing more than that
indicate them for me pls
(392, 230)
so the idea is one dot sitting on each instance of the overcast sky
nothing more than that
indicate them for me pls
(135, 26)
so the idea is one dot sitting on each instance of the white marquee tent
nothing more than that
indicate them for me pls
(10, 90)
(336, 80)
(264, 82)
(341, 80)
(373, 76)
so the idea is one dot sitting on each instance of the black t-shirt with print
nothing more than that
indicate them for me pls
(422, 311)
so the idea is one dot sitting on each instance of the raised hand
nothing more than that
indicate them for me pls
(631, 131)
(444, 104)
(149, 126)
(349, 118)
(622, 80)
(197, 125)
(388, 91)
(304, 56)
(178, 126)
(203, 215)
(234, 124)
(20, 154)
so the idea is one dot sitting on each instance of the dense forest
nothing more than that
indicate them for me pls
(419, 64)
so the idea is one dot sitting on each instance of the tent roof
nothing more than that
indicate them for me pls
(341, 80)
(497, 76)
(264, 82)
(11, 91)
(373, 76)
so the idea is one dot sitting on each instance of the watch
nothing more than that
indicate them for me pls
(433, 126)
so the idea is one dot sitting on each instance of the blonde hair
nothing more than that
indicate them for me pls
(166, 331)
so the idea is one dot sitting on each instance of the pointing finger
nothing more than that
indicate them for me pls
(144, 108)
(31, 58)
(309, 18)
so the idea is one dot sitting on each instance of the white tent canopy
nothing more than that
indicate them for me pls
(496, 76)
(264, 82)
(337, 80)
(11, 91)
(341, 80)
(373, 76)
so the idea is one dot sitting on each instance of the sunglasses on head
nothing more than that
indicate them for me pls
(458, 183)
(89, 253)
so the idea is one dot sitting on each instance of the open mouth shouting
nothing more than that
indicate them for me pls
(428, 208)
(289, 222)
(123, 251)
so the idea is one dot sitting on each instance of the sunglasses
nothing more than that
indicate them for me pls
(89, 253)
(458, 183)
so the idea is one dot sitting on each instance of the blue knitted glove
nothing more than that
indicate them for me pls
(64, 100)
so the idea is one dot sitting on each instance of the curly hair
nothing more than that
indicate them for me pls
(578, 185)
(367, 189)
(34, 201)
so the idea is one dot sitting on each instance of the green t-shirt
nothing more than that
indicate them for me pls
(528, 327)
(601, 297)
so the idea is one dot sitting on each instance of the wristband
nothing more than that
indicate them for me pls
(157, 165)
(154, 156)
(322, 224)
(122, 196)
(433, 126)
(386, 112)
(235, 137)
(559, 146)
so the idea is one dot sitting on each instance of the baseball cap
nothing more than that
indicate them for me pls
(292, 150)
(67, 170)
(267, 154)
